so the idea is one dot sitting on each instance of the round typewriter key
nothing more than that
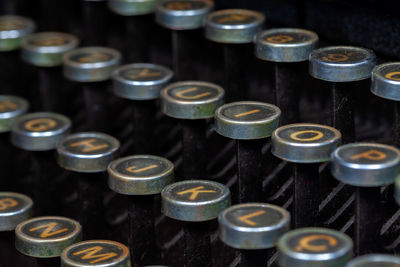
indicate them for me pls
(92, 67)
(89, 153)
(342, 66)
(368, 166)
(142, 82)
(249, 123)
(46, 49)
(91, 64)
(306, 145)
(385, 83)
(314, 246)
(11, 107)
(289, 49)
(12, 29)
(235, 28)
(197, 203)
(192, 102)
(233, 25)
(182, 14)
(96, 253)
(46, 237)
(39, 131)
(132, 7)
(375, 260)
(141, 177)
(253, 228)
(14, 209)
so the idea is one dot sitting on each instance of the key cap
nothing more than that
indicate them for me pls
(375, 260)
(367, 167)
(235, 28)
(92, 67)
(96, 253)
(39, 133)
(45, 50)
(142, 82)
(89, 154)
(306, 145)
(385, 83)
(183, 18)
(253, 229)
(249, 123)
(192, 102)
(141, 177)
(12, 30)
(14, 209)
(11, 107)
(45, 238)
(306, 247)
(197, 203)
(342, 66)
(289, 49)
(132, 7)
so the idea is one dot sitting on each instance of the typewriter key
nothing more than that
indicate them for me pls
(375, 260)
(14, 209)
(253, 228)
(306, 145)
(40, 133)
(288, 48)
(12, 29)
(141, 177)
(45, 50)
(11, 107)
(249, 123)
(132, 7)
(385, 83)
(96, 253)
(197, 203)
(192, 102)
(342, 65)
(92, 66)
(89, 153)
(367, 166)
(306, 247)
(181, 16)
(45, 238)
(235, 28)
(142, 82)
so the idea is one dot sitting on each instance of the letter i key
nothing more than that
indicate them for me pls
(249, 123)
(89, 154)
(39, 133)
(142, 83)
(197, 203)
(44, 238)
(235, 29)
(367, 167)
(14, 209)
(305, 145)
(342, 66)
(192, 102)
(289, 49)
(182, 17)
(141, 177)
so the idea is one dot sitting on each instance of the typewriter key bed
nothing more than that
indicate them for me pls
(199, 133)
